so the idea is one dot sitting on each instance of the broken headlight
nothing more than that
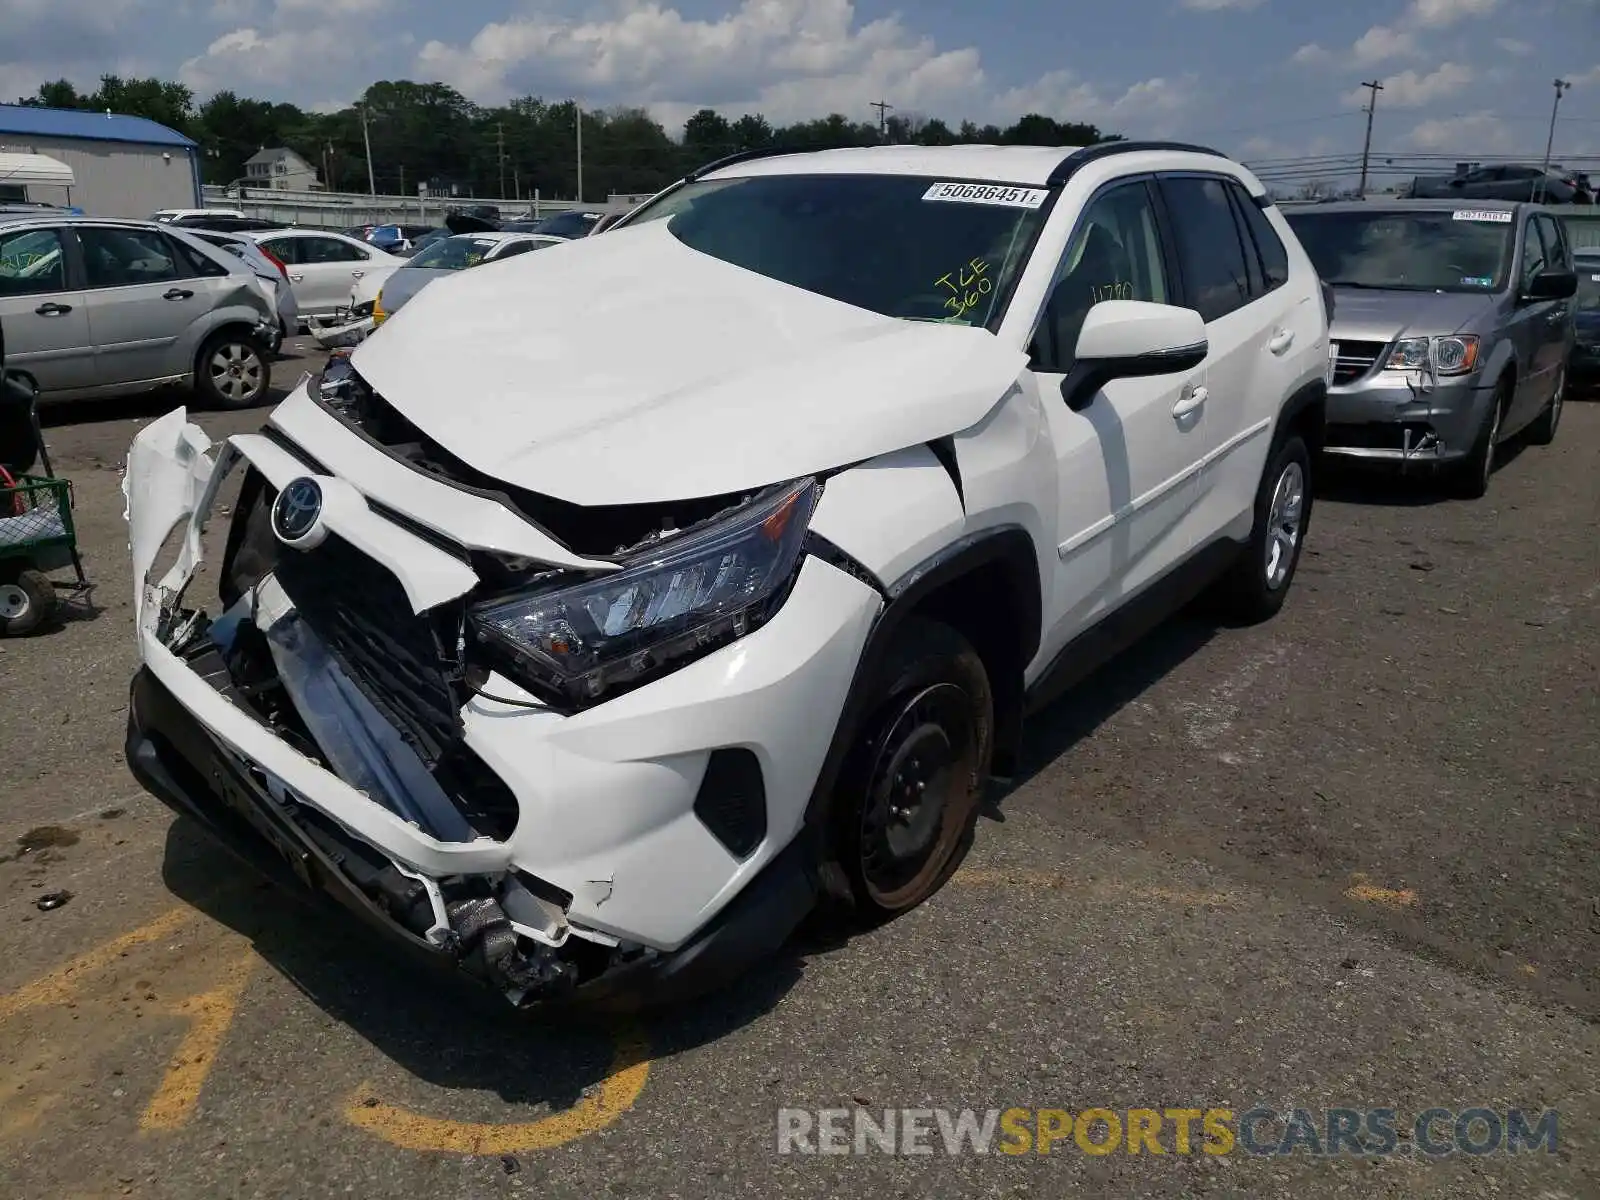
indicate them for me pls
(1455, 355)
(682, 600)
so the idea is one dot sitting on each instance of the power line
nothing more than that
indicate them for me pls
(884, 109)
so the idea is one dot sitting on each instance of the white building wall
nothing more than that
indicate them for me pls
(114, 179)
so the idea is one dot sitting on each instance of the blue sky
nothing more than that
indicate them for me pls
(1262, 79)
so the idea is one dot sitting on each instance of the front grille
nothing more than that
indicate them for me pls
(1354, 360)
(361, 612)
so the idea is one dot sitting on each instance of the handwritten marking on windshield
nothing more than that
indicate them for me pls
(967, 285)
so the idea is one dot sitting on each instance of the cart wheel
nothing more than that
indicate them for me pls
(27, 601)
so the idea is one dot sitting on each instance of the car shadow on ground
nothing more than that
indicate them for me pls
(439, 1027)
(287, 371)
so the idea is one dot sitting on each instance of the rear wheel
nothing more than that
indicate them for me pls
(27, 601)
(1543, 430)
(1257, 584)
(907, 803)
(231, 371)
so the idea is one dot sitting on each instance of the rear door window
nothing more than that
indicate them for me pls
(1212, 256)
(127, 257)
(1274, 258)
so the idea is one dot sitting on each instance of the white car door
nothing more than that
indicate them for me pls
(1260, 333)
(322, 268)
(1129, 455)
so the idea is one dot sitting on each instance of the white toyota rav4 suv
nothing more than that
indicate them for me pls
(612, 609)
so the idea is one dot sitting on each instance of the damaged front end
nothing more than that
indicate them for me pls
(316, 707)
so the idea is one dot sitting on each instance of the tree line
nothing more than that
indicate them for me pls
(429, 133)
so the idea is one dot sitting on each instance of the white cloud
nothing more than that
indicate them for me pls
(1310, 54)
(1585, 78)
(1477, 133)
(1382, 43)
(788, 59)
(1513, 46)
(1434, 13)
(1410, 89)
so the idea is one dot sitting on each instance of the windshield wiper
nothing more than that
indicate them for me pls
(1371, 287)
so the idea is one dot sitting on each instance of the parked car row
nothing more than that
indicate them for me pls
(1507, 181)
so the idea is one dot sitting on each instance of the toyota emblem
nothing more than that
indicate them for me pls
(297, 512)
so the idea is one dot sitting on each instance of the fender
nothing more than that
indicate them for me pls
(1313, 395)
(1004, 553)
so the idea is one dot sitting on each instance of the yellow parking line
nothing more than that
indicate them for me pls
(58, 986)
(212, 1015)
(1361, 888)
(630, 1068)
(1052, 881)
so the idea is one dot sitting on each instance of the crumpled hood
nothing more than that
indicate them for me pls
(628, 368)
(1380, 316)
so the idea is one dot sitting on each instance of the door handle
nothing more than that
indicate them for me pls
(1190, 402)
(176, 294)
(1281, 341)
(51, 309)
(357, 274)
(297, 279)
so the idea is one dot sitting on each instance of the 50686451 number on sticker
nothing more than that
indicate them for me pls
(987, 193)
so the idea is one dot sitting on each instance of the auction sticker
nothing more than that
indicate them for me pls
(1499, 217)
(987, 193)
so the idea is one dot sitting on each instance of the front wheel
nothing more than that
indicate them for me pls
(231, 371)
(1257, 584)
(1473, 473)
(1543, 430)
(906, 807)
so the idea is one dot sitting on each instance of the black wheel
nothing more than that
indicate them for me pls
(1543, 430)
(231, 370)
(1257, 583)
(27, 601)
(1473, 473)
(907, 803)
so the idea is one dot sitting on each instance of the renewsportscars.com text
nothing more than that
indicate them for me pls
(1262, 1131)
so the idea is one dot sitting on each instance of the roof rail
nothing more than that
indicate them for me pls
(739, 157)
(1068, 166)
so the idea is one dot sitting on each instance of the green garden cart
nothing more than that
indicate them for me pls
(37, 534)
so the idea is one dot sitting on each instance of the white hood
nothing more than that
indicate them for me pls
(628, 368)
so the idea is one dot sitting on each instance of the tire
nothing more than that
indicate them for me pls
(1543, 429)
(27, 601)
(1257, 583)
(1473, 473)
(929, 730)
(231, 371)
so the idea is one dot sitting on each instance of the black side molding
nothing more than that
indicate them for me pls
(1081, 157)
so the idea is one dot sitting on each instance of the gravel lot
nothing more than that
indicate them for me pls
(1346, 859)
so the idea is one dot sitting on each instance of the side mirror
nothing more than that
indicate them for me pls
(1127, 339)
(1552, 285)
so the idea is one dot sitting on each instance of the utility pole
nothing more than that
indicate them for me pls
(1366, 147)
(366, 140)
(1550, 142)
(500, 152)
(884, 109)
(578, 108)
(402, 179)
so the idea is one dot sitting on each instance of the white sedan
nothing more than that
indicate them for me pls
(323, 267)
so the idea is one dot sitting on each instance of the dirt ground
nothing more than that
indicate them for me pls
(1347, 859)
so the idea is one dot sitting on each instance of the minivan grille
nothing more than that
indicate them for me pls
(1354, 360)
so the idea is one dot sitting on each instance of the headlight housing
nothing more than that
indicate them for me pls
(1453, 355)
(679, 602)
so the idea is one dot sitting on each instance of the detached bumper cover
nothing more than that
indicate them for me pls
(178, 761)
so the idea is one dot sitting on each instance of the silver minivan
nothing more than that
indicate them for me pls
(95, 307)
(1452, 328)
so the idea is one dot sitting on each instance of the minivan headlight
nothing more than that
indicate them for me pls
(678, 602)
(1453, 355)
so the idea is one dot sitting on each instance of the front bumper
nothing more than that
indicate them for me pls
(610, 804)
(1399, 417)
(184, 765)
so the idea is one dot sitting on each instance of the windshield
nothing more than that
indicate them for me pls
(453, 253)
(1583, 230)
(1461, 250)
(917, 248)
(567, 224)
